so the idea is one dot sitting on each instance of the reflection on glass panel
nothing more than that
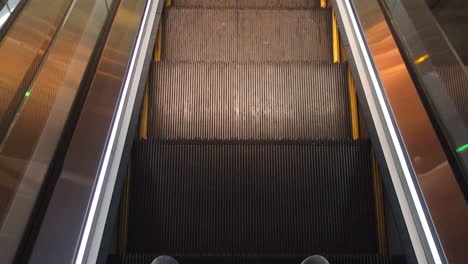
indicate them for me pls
(12, 4)
(433, 39)
(6, 10)
(4, 14)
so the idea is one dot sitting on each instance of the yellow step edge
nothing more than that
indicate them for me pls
(158, 45)
(353, 106)
(379, 208)
(336, 40)
(144, 115)
(168, 2)
(323, 3)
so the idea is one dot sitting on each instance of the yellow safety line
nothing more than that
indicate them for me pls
(353, 106)
(323, 3)
(379, 206)
(336, 40)
(158, 47)
(144, 115)
(168, 2)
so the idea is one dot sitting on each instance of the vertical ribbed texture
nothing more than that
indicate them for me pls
(455, 79)
(193, 198)
(249, 101)
(231, 172)
(248, 3)
(200, 35)
(247, 35)
(137, 259)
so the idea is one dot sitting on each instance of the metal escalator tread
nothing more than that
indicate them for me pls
(251, 198)
(361, 259)
(249, 101)
(192, 34)
(248, 3)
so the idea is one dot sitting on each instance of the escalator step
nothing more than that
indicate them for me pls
(362, 259)
(247, 35)
(249, 101)
(251, 198)
(248, 3)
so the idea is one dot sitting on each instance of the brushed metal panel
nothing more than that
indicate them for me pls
(439, 187)
(22, 49)
(29, 148)
(60, 237)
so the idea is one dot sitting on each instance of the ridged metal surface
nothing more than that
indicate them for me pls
(192, 198)
(249, 101)
(363, 259)
(248, 3)
(455, 79)
(247, 35)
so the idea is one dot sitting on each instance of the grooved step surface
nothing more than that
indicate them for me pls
(247, 35)
(251, 198)
(249, 101)
(248, 3)
(139, 259)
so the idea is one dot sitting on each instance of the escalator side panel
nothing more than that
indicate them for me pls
(37, 138)
(22, 50)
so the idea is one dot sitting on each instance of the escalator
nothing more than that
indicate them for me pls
(229, 131)
(247, 152)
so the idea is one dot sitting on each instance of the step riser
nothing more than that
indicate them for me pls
(249, 101)
(247, 35)
(251, 199)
